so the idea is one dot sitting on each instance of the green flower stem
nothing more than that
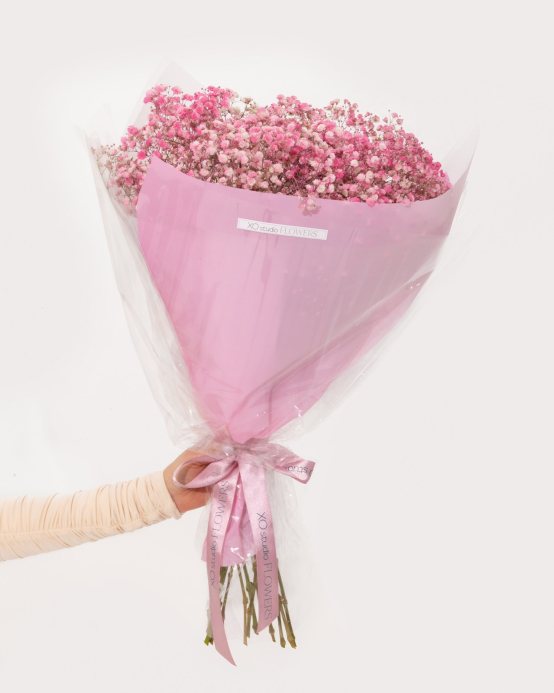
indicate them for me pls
(272, 632)
(251, 611)
(255, 583)
(222, 575)
(283, 607)
(227, 592)
(244, 601)
(209, 634)
(281, 638)
(288, 628)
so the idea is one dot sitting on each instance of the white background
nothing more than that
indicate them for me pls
(430, 513)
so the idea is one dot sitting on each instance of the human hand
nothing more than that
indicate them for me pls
(187, 498)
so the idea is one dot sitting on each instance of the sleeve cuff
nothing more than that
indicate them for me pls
(166, 502)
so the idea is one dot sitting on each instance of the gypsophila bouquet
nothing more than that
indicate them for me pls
(245, 318)
(288, 147)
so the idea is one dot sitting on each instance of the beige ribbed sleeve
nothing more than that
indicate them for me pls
(36, 524)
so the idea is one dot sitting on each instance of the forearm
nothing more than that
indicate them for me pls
(36, 524)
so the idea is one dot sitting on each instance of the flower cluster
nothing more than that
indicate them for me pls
(288, 147)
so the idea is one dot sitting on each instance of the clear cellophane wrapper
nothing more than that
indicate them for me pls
(251, 336)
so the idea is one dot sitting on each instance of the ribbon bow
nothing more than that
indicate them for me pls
(230, 465)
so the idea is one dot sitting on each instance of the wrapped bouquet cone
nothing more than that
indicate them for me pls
(248, 307)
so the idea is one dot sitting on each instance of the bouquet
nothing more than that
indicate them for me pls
(262, 254)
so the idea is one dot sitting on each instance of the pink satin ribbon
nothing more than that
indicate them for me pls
(229, 465)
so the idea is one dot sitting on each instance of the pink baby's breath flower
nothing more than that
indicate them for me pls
(289, 147)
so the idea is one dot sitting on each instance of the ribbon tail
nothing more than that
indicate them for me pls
(220, 514)
(261, 521)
